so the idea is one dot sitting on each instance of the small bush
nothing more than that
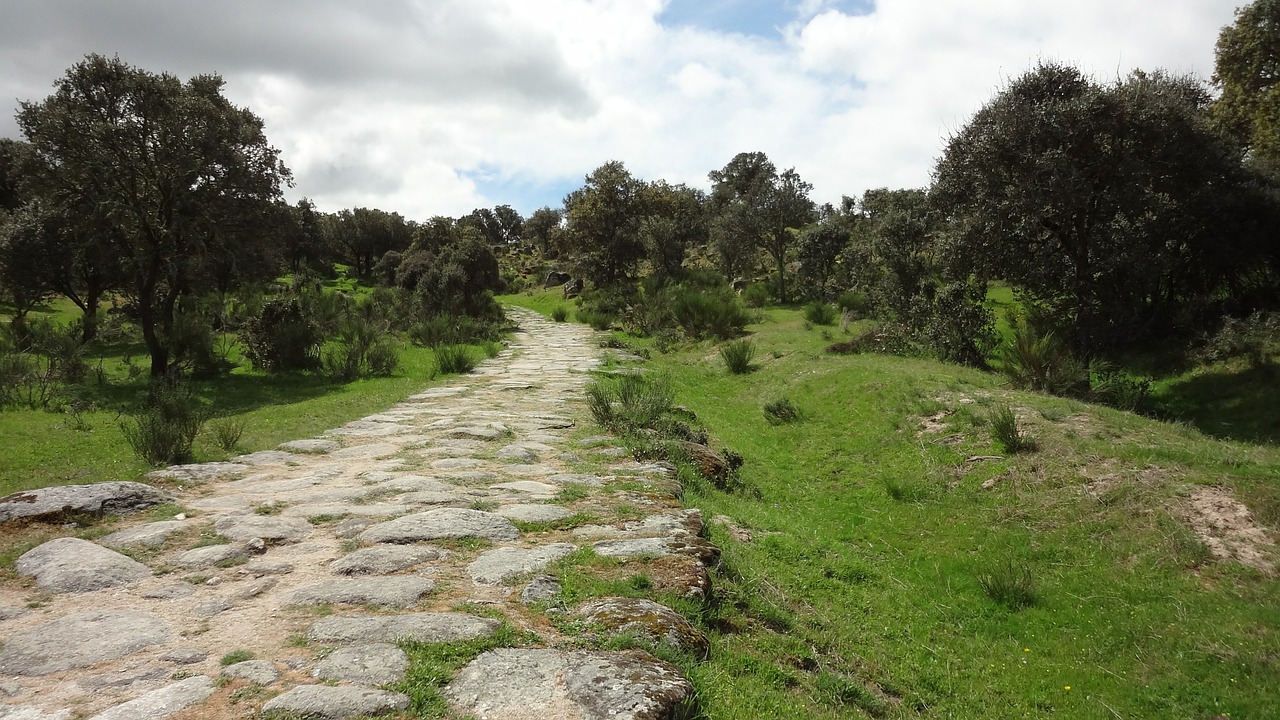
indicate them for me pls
(633, 402)
(1255, 338)
(781, 411)
(439, 330)
(1010, 584)
(820, 313)
(1111, 386)
(1006, 433)
(227, 432)
(282, 337)
(708, 313)
(737, 355)
(597, 319)
(560, 313)
(852, 301)
(164, 432)
(1039, 361)
(884, 338)
(756, 295)
(455, 360)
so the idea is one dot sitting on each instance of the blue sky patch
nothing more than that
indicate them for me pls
(755, 18)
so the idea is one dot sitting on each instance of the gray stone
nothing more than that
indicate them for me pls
(147, 537)
(266, 457)
(80, 640)
(376, 664)
(364, 428)
(315, 446)
(352, 527)
(185, 656)
(10, 612)
(70, 565)
(209, 556)
(576, 479)
(475, 433)
(535, 470)
(372, 451)
(123, 678)
(259, 568)
(691, 546)
(253, 589)
(211, 607)
(442, 523)
(528, 486)
(395, 591)
(518, 684)
(416, 627)
(383, 560)
(456, 463)
(681, 523)
(272, 529)
(200, 473)
(323, 702)
(501, 564)
(540, 589)
(55, 503)
(517, 452)
(8, 712)
(534, 513)
(258, 672)
(168, 700)
(647, 619)
(175, 591)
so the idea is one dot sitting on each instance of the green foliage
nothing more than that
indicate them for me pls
(853, 301)
(737, 355)
(1255, 338)
(439, 330)
(756, 295)
(820, 313)
(597, 319)
(708, 314)
(281, 337)
(1112, 386)
(1245, 70)
(235, 656)
(432, 665)
(602, 225)
(1006, 432)
(455, 360)
(560, 313)
(227, 432)
(781, 412)
(1010, 584)
(360, 349)
(630, 403)
(164, 431)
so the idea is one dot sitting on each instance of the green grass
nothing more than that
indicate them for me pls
(432, 665)
(540, 301)
(956, 600)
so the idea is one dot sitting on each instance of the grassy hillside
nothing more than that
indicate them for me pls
(891, 563)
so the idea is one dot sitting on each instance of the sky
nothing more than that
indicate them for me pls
(437, 107)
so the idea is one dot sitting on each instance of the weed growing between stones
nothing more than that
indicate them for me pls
(433, 665)
(572, 492)
(568, 523)
(235, 656)
(327, 518)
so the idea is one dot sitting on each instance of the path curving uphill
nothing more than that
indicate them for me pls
(300, 576)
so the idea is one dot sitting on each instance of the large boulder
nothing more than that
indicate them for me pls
(56, 503)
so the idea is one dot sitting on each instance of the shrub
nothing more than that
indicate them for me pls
(1111, 386)
(820, 313)
(737, 355)
(165, 430)
(888, 338)
(1010, 584)
(227, 432)
(359, 350)
(633, 402)
(453, 330)
(1255, 338)
(454, 360)
(1039, 361)
(708, 314)
(560, 313)
(1006, 433)
(781, 411)
(597, 319)
(756, 295)
(852, 301)
(281, 338)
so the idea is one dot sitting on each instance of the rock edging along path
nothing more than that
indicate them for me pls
(304, 579)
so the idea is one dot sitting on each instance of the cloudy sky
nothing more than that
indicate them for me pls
(430, 107)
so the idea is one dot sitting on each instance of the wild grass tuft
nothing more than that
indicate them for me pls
(781, 411)
(227, 432)
(454, 360)
(1010, 584)
(1006, 432)
(560, 313)
(737, 355)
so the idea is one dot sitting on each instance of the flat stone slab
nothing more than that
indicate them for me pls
(70, 565)
(323, 702)
(168, 700)
(396, 591)
(532, 487)
(534, 513)
(518, 453)
(54, 503)
(376, 664)
(209, 556)
(313, 446)
(456, 463)
(267, 457)
(271, 528)
(259, 672)
(540, 589)
(502, 564)
(416, 627)
(372, 451)
(576, 479)
(383, 560)
(442, 523)
(475, 433)
(201, 473)
(526, 469)
(518, 684)
(146, 537)
(30, 713)
(691, 546)
(175, 591)
(364, 428)
(80, 640)
(123, 678)
(647, 619)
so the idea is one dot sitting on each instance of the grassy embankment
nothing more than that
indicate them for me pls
(884, 525)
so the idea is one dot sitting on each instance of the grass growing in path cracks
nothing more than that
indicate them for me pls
(433, 665)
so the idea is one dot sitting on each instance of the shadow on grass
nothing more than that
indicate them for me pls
(1232, 404)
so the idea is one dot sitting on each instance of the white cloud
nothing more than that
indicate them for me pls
(424, 106)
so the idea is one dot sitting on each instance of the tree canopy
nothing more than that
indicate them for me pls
(1247, 71)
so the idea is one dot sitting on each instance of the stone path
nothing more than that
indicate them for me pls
(295, 572)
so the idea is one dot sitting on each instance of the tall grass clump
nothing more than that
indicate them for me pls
(163, 432)
(1010, 584)
(560, 313)
(632, 403)
(1006, 433)
(227, 432)
(737, 355)
(781, 412)
(455, 360)
(708, 313)
(1040, 361)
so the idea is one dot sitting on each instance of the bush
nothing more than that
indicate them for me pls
(1039, 361)
(885, 338)
(560, 313)
(163, 433)
(1006, 433)
(1111, 386)
(737, 355)
(756, 295)
(633, 402)
(281, 338)
(852, 301)
(781, 412)
(820, 313)
(453, 330)
(1010, 584)
(1255, 338)
(454, 360)
(359, 350)
(597, 319)
(227, 432)
(708, 314)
